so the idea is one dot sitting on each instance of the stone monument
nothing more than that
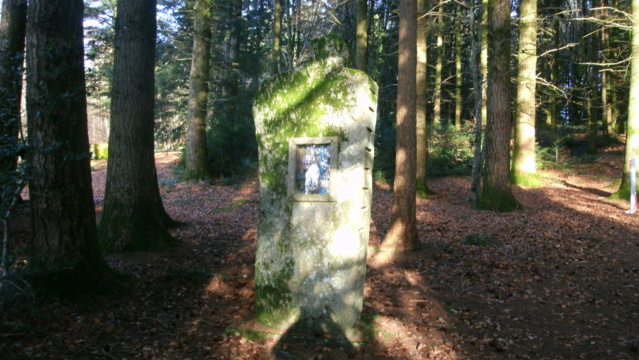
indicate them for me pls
(315, 134)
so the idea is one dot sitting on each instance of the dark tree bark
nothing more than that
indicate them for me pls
(197, 166)
(361, 45)
(63, 229)
(478, 86)
(496, 192)
(402, 235)
(134, 218)
(12, 34)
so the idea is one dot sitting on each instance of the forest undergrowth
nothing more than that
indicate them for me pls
(558, 280)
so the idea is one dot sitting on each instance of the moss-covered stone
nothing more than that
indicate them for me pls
(310, 260)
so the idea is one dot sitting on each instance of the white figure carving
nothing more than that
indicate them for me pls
(312, 178)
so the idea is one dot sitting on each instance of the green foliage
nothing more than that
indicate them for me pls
(231, 140)
(551, 157)
(450, 151)
(100, 151)
(573, 139)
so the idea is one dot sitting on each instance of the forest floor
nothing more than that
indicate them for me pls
(557, 280)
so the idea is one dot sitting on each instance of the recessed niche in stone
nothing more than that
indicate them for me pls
(311, 165)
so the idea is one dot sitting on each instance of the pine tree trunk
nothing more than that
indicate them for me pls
(361, 45)
(12, 34)
(64, 252)
(606, 84)
(478, 161)
(632, 129)
(524, 171)
(134, 218)
(593, 102)
(554, 79)
(458, 68)
(421, 131)
(484, 62)
(197, 166)
(496, 192)
(439, 65)
(402, 235)
(277, 33)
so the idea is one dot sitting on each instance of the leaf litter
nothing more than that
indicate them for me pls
(557, 280)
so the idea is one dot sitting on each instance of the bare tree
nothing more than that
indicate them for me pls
(496, 191)
(64, 251)
(524, 171)
(402, 235)
(197, 166)
(134, 217)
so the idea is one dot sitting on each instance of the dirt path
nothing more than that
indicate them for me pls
(557, 280)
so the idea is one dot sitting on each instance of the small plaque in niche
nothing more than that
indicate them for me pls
(312, 166)
(313, 169)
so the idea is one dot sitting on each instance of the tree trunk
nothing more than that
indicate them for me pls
(402, 235)
(197, 166)
(606, 84)
(593, 100)
(277, 34)
(496, 192)
(554, 79)
(12, 34)
(421, 131)
(632, 128)
(458, 68)
(484, 62)
(439, 64)
(478, 153)
(64, 253)
(134, 218)
(524, 171)
(361, 45)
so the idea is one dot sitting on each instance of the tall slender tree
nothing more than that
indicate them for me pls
(402, 235)
(632, 128)
(496, 192)
(458, 66)
(475, 63)
(134, 217)
(439, 65)
(12, 33)
(197, 166)
(361, 44)
(484, 61)
(524, 171)
(64, 251)
(421, 127)
(593, 96)
(277, 35)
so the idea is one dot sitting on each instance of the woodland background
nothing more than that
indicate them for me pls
(98, 261)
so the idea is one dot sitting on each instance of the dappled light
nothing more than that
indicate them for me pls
(557, 278)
